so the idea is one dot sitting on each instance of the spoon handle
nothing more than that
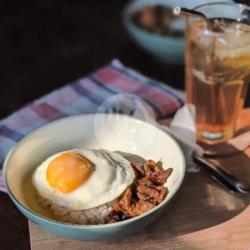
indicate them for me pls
(188, 12)
(220, 175)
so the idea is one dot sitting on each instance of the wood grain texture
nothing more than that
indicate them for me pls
(201, 216)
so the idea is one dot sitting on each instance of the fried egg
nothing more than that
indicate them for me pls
(83, 178)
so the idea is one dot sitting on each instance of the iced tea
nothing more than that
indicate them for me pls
(217, 75)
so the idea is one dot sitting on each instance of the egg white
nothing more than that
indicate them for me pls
(111, 176)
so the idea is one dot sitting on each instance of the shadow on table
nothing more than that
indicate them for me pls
(199, 204)
(202, 203)
(239, 143)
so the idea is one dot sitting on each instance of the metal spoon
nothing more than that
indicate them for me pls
(222, 176)
(188, 12)
(192, 13)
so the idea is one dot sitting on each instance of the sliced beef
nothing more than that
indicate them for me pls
(160, 177)
(145, 193)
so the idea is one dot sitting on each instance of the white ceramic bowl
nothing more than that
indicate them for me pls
(113, 132)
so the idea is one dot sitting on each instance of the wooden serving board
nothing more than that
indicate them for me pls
(201, 216)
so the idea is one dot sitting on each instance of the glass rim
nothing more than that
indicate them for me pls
(215, 33)
(242, 6)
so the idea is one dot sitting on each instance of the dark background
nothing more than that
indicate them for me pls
(46, 44)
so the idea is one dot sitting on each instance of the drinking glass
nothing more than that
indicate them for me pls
(217, 68)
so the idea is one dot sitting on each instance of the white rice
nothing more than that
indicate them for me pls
(90, 216)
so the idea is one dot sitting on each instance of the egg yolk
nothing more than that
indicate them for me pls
(68, 171)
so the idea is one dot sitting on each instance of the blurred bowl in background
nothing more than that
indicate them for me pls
(165, 47)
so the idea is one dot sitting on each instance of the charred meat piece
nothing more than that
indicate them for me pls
(145, 193)
(138, 167)
(144, 181)
(112, 217)
(115, 217)
(125, 201)
(140, 207)
(159, 177)
(150, 166)
(130, 209)
(159, 164)
(163, 192)
(152, 193)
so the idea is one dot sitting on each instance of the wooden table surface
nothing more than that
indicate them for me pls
(202, 216)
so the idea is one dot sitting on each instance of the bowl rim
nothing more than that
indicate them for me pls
(95, 226)
(126, 17)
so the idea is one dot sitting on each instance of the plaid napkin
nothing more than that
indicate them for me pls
(85, 95)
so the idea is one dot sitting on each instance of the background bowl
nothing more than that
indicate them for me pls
(166, 48)
(112, 132)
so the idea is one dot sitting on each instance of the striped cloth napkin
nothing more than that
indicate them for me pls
(85, 95)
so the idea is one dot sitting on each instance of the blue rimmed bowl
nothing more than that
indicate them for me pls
(112, 132)
(165, 48)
